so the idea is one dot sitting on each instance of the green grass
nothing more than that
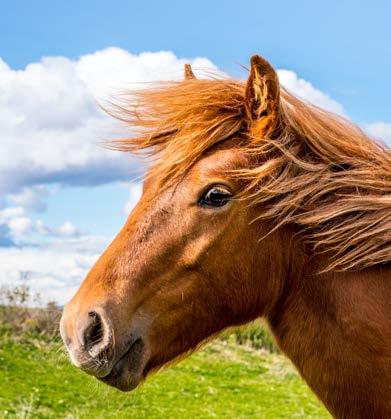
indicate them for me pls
(224, 380)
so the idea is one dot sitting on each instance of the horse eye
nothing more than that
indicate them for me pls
(215, 197)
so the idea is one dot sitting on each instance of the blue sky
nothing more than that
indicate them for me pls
(341, 46)
(336, 54)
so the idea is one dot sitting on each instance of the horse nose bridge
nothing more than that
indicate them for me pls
(95, 299)
(89, 320)
(107, 269)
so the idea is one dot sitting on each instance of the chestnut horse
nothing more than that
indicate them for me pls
(256, 205)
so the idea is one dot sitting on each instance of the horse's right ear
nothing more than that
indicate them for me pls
(189, 75)
(262, 96)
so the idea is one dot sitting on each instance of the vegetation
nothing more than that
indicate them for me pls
(18, 318)
(234, 376)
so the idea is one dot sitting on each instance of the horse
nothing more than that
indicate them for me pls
(256, 204)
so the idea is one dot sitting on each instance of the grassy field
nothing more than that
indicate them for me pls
(223, 380)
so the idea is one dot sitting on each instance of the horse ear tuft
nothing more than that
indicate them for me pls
(262, 95)
(189, 75)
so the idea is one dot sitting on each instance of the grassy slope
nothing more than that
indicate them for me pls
(223, 380)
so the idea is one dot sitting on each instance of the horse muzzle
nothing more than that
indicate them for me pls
(89, 339)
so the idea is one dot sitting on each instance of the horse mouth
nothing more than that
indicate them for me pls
(128, 371)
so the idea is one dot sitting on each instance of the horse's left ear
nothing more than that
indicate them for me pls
(262, 96)
(189, 75)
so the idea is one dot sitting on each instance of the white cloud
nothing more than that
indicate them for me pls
(106, 70)
(55, 269)
(31, 198)
(20, 226)
(305, 90)
(68, 229)
(14, 223)
(51, 124)
(380, 131)
(135, 190)
(11, 212)
(17, 225)
(41, 228)
(55, 275)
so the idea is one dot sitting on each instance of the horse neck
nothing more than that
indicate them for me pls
(336, 329)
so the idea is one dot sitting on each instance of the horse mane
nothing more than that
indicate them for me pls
(317, 170)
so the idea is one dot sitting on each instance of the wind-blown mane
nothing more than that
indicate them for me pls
(316, 170)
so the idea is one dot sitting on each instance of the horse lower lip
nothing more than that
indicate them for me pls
(127, 366)
(125, 355)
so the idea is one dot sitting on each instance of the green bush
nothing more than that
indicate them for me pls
(22, 313)
(254, 334)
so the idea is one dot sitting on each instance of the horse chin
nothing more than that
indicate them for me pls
(128, 372)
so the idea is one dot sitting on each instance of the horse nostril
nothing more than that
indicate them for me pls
(94, 332)
(89, 337)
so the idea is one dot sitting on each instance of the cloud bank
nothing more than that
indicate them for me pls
(51, 124)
